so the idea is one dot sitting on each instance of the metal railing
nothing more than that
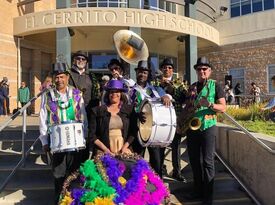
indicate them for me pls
(238, 125)
(22, 111)
(267, 148)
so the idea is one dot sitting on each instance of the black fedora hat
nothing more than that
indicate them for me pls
(114, 61)
(143, 65)
(80, 53)
(167, 61)
(202, 61)
(60, 68)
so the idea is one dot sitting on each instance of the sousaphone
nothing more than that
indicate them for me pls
(130, 46)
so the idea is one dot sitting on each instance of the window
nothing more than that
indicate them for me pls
(246, 7)
(235, 8)
(100, 60)
(268, 4)
(257, 5)
(101, 3)
(271, 73)
(237, 76)
(243, 7)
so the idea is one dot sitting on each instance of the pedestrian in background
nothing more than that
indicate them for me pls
(3, 96)
(255, 91)
(23, 95)
(46, 83)
(238, 91)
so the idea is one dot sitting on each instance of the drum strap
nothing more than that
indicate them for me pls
(148, 97)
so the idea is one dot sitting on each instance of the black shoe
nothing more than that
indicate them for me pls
(179, 177)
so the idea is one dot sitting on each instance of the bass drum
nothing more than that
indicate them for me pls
(160, 126)
(67, 137)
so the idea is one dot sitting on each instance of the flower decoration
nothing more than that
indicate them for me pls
(105, 183)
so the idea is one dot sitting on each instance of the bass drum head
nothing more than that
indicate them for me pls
(145, 129)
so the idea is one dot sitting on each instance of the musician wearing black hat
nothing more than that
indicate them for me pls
(177, 90)
(117, 71)
(61, 106)
(144, 90)
(85, 80)
(206, 98)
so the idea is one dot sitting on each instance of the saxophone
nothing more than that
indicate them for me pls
(186, 119)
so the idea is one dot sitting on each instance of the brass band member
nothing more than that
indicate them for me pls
(210, 98)
(177, 90)
(61, 105)
(144, 90)
(85, 80)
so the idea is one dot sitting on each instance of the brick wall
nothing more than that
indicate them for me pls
(253, 56)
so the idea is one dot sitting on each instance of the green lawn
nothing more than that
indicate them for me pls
(259, 126)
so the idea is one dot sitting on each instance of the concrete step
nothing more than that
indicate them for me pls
(16, 145)
(27, 177)
(12, 158)
(16, 134)
(27, 197)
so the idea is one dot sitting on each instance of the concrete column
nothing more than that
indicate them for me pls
(191, 47)
(132, 71)
(36, 78)
(63, 38)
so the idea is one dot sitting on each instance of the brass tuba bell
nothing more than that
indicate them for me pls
(130, 46)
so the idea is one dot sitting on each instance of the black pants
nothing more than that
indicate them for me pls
(156, 158)
(202, 143)
(63, 164)
(156, 155)
(27, 110)
(176, 153)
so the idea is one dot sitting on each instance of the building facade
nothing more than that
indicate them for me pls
(238, 36)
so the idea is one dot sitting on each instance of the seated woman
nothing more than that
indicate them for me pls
(113, 125)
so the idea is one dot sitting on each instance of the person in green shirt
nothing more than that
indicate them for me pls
(23, 95)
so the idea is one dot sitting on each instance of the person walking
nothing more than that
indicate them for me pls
(207, 98)
(23, 95)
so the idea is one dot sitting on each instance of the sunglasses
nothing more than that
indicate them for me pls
(168, 67)
(80, 58)
(114, 68)
(202, 68)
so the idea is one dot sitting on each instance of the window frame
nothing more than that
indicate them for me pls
(236, 77)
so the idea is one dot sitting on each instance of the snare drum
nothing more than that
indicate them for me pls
(160, 126)
(67, 137)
